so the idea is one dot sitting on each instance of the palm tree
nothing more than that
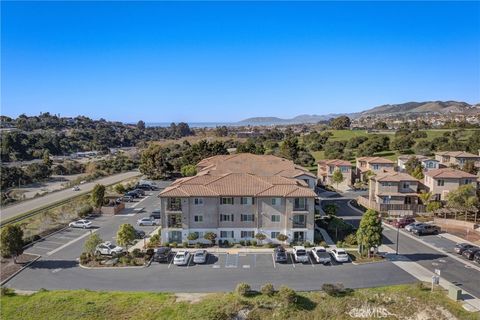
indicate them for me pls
(425, 196)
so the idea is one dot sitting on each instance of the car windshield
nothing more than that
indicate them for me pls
(180, 256)
(199, 254)
(321, 250)
(300, 252)
(341, 253)
(111, 246)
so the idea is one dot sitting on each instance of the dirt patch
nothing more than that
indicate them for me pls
(8, 267)
(190, 297)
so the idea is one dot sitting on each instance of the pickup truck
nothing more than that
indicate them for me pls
(321, 255)
(300, 254)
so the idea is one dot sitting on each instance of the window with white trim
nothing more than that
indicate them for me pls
(226, 200)
(247, 217)
(276, 201)
(247, 200)
(198, 201)
(226, 217)
(226, 234)
(274, 234)
(275, 218)
(247, 234)
(198, 218)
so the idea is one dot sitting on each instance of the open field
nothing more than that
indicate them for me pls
(404, 301)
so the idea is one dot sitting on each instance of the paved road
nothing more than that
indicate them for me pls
(25, 206)
(452, 270)
(345, 211)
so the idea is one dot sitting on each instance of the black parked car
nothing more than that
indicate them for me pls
(144, 187)
(476, 257)
(132, 194)
(426, 229)
(162, 254)
(280, 254)
(460, 247)
(470, 253)
(140, 192)
(139, 234)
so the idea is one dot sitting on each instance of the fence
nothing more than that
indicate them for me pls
(388, 207)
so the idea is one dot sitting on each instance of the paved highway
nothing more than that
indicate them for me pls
(28, 205)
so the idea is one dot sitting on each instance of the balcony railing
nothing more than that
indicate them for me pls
(174, 207)
(300, 208)
(174, 221)
(296, 224)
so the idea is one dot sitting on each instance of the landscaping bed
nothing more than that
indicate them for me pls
(358, 259)
(8, 267)
(137, 258)
(393, 302)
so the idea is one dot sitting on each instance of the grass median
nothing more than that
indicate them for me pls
(404, 301)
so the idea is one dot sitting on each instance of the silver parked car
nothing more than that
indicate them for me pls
(146, 222)
(85, 224)
(200, 256)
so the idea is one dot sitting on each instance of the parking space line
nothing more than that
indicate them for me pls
(311, 262)
(50, 241)
(190, 259)
(273, 260)
(171, 260)
(70, 242)
(42, 248)
(254, 260)
(291, 259)
(137, 203)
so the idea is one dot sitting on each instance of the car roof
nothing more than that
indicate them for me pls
(339, 250)
(319, 248)
(299, 247)
(181, 252)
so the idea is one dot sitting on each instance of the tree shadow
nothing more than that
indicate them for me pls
(54, 264)
(304, 303)
(423, 256)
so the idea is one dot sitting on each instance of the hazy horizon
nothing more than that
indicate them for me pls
(228, 61)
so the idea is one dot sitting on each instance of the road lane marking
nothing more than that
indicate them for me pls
(246, 266)
(311, 262)
(70, 242)
(42, 248)
(137, 203)
(50, 241)
(56, 270)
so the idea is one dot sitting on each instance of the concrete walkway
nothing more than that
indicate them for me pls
(471, 303)
(326, 236)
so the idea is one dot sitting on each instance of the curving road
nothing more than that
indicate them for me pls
(28, 205)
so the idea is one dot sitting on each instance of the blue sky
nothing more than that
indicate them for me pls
(225, 61)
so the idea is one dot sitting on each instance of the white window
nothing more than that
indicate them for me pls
(247, 234)
(247, 217)
(198, 201)
(198, 218)
(275, 218)
(440, 183)
(226, 234)
(375, 167)
(276, 201)
(199, 234)
(226, 217)
(274, 234)
(226, 200)
(247, 200)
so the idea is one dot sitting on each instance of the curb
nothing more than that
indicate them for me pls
(24, 267)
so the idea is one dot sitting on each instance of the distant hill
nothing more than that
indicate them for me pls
(387, 109)
(422, 107)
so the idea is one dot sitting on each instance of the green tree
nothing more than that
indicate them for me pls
(210, 236)
(412, 165)
(464, 198)
(119, 188)
(98, 195)
(433, 206)
(331, 209)
(155, 162)
(91, 244)
(188, 170)
(339, 123)
(402, 143)
(281, 237)
(11, 241)
(192, 236)
(425, 197)
(46, 159)
(418, 173)
(260, 237)
(289, 148)
(369, 234)
(141, 125)
(470, 167)
(126, 235)
(337, 177)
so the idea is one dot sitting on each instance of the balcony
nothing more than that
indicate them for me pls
(300, 207)
(175, 208)
(299, 221)
(174, 221)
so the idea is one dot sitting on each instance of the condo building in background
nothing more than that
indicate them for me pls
(237, 196)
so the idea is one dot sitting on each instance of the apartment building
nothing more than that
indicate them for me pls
(372, 164)
(325, 171)
(427, 162)
(394, 188)
(441, 181)
(238, 196)
(459, 158)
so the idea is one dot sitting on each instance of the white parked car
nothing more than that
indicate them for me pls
(108, 248)
(85, 224)
(321, 255)
(181, 258)
(411, 226)
(340, 255)
(147, 221)
(76, 188)
(300, 254)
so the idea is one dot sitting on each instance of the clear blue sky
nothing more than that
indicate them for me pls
(225, 61)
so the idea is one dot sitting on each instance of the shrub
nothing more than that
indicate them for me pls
(84, 258)
(324, 244)
(198, 245)
(126, 259)
(174, 244)
(226, 243)
(154, 241)
(4, 291)
(287, 294)
(270, 245)
(248, 243)
(242, 242)
(308, 244)
(185, 244)
(149, 253)
(268, 289)
(137, 253)
(333, 290)
(340, 244)
(282, 237)
(242, 289)
(351, 240)
(254, 243)
(84, 211)
(167, 244)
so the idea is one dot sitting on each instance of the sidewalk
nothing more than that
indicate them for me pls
(471, 303)
(326, 237)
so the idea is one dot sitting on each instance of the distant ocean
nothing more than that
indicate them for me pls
(194, 124)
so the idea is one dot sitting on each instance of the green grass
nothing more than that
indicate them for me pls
(408, 301)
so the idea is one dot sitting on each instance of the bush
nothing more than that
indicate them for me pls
(333, 290)
(226, 243)
(167, 244)
(149, 253)
(198, 245)
(248, 243)
(287, 294)
(174, 244)
(84, 258)
(84, 211)
(154, 241)
(185, 244)
(242, 242)
(127, 260)
(324, 244)
(307, 244)
(137, 253)
(4, 291)
(351, 240)
(254, 243)
(340, 244)
(270, 245)
(268, 289)
(242, 289)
